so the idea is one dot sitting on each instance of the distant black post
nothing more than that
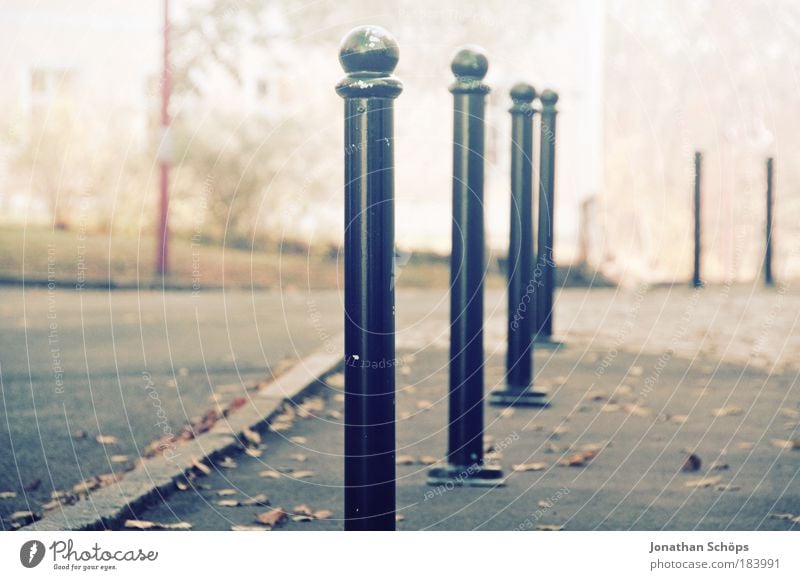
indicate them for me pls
(697, 281)
(768, 249)
(465, 443)
(368, 55)
(545, 265)
(522, 287)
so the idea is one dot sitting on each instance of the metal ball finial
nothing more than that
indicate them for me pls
(369, 50)
(549, 98)
(523, 93)
(470, 62)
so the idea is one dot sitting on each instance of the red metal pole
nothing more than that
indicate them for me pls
(162, 233)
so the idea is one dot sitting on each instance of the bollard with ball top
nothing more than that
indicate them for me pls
(522, 288)
(465, 461)
(368, 55)
(546, 267)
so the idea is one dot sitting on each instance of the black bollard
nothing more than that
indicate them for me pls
(368, 55)
(544, 275)
(522, 287)
(697, 281)
(465, 441)
(768, 281)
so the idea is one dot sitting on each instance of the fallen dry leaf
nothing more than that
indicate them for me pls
(543, 503)
(405, 460)
(299, 457)
(272, 517)
(246, 528)
(201, 467)
(119, 458)
(323, 514)
(226, 492)
(785, 443)
(252, 437)
(637, 410)
(727, 487)
(252, 452)
(719, 466)
(228, 463)
(727, 411)
(704, 482)
(302, 510)
(299, 440)
(522, 467)
(228, 503)
(8, 494)
(301, 473)
(428, 460)
(106, 439)
(745, 445)
(782, 516)
(336, 380)
(679, 419)
(399, 518)
(692, 463)
(579, 459)
(549, 527)
(270, 474)
(424, 404)
(148, 525)
(507, 413)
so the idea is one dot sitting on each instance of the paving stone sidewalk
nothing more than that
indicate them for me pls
(627, 423)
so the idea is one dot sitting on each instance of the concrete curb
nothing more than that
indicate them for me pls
(155, 477)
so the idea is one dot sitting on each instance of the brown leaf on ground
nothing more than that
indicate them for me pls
(579, 459)
(252, 452)
(399, 518)
(259, 499)
(679, 419)
(719, 466)
(424, 404)
(269, 474)
(299, 457)
(522, 467)
(272, 517)
(336, 380)
(727, 411)
(635, 409)
(228, 503)
(228, 463)
(405, 460)
(781, 516)
(302, 510)
(201, 467)
(507, 413)
(252, 437)
(785, 443)
(148, 525)
(727, 487)
(182, 485)
(8, 494)
(226, 492)
(543, 503)
(300, 440)
(745, 445)
(301, 518)
(704, 482)
(323, 514)
(106, 439)
(428, 460)
(692, 463)
(550, 527)
(300, 473)
(246, 528)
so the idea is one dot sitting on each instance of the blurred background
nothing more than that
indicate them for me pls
(255, 141)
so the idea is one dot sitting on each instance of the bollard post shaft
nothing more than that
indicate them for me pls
(697, 281)
(522, 286)
(467, 270)
(368, 55)
(545, 264)
(768, 280)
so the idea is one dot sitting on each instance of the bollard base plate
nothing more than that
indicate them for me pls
(515, 398)
(467, 476)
